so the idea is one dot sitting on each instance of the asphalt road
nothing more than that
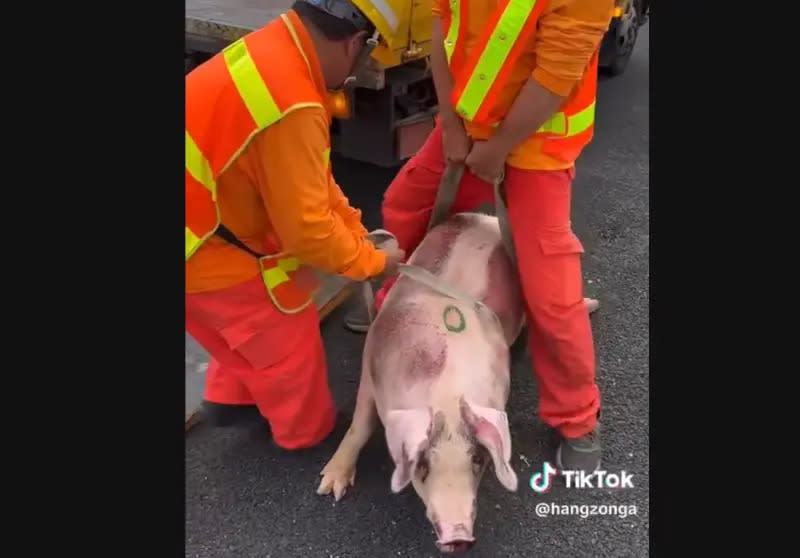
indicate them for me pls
(246, 498)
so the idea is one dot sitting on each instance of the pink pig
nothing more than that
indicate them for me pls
(436, 370)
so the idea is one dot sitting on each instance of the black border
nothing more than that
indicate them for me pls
(714, 157)
(99, 216)
(108, 215)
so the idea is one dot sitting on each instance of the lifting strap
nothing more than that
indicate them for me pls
(446, 196)
(382, 239)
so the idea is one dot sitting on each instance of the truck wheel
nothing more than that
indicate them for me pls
(619, 41)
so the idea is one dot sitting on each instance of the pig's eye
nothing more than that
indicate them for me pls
(477, 458)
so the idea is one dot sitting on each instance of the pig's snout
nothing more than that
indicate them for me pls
(454, 538)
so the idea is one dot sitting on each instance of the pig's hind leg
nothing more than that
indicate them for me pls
(340, 472)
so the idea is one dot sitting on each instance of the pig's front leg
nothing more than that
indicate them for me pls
(340, 472)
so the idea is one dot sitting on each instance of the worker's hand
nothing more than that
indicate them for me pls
(394, 257)
(456, 142)
(487, 160)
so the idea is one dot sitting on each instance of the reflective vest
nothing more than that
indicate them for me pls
(247, 87)
(480, 78)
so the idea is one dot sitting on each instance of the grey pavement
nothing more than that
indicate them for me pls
(246, 498)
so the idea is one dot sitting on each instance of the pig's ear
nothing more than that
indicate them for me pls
(407, 434)
(490, 428)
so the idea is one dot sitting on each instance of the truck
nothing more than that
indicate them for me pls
(623, 30)
(387, 117)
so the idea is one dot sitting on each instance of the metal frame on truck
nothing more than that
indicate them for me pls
(623, 30)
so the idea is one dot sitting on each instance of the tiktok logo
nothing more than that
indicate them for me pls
(540, 482)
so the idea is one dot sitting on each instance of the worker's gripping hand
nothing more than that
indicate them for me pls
(386, 242)
(455, 141)
(487, 160)
(394, 257)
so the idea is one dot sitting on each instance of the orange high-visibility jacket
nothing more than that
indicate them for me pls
(480, 77)
(229, 99)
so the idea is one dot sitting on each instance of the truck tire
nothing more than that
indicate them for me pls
(618, 43)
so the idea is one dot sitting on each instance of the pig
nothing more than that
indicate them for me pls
(436, 372)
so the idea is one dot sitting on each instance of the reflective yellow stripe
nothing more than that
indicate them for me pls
(289, 264)
(198, 166)
(556, 125)
(581, 121)
(494, 56)
(274, 276)
(452, 33)
(326, 156)
(251, 87)
(578, 122)
(192, 240)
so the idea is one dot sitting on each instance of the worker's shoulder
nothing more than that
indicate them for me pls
(304, 123)
(301, 132)
(302, 117)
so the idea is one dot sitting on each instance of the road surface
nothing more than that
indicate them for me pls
(247, 499)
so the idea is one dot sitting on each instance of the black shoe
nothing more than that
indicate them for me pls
(221, 415)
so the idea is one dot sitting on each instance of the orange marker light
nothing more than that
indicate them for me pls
(338, 104)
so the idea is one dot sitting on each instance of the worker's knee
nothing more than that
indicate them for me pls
(413, 188)
(304, 430)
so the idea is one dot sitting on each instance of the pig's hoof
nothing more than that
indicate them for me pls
(592, 304)
(336, 480)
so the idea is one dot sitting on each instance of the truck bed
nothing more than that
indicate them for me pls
(227, 20)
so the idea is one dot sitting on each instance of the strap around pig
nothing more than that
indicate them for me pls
(430, 280)
(446, 197)
(381, 238)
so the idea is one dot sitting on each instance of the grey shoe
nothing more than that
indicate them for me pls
(580, 454)
(357, 318)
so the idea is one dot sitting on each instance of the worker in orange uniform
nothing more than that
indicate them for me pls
(263, 210)
(516, 82)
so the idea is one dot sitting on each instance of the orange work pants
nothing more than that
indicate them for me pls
(264, 357)
(548, 254)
